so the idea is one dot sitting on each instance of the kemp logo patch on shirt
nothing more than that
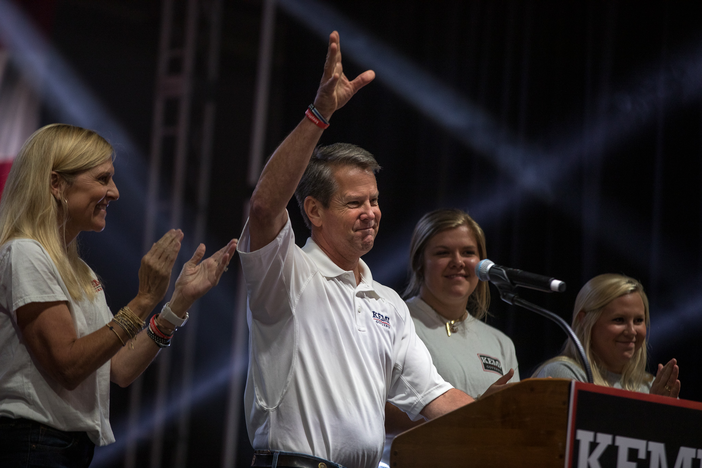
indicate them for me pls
(491, 364)
(97, 285)
(382, 320)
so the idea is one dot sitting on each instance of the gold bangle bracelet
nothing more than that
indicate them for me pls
(116, 334)
(128, 327)
(132, 317)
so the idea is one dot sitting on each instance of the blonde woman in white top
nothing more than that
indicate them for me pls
(60, 346)
(611, 320)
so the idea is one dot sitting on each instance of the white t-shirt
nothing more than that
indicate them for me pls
(325, 354)
(27, 275)
(473, 357)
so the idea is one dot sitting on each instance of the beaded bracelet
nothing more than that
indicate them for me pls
(161, 339)
(160, 342)
(316, 117)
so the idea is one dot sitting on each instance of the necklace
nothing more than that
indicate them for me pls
(452, 325)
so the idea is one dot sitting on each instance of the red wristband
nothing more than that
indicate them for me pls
(157, 331)
(310, 115)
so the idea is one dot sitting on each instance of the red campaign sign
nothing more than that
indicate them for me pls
(609, 427)
(4, 171)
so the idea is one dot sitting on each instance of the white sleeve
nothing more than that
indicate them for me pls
(415, 381)
(272, 274)
(27, 275)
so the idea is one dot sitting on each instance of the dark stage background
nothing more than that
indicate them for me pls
(571, 131)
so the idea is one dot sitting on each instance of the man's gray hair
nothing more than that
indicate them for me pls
(318, 181)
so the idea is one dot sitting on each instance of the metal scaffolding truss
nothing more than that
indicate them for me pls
(179, 173)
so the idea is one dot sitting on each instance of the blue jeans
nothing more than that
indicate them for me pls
(25, 444)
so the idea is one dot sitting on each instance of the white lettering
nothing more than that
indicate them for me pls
(626, 443)
(685, 457)
(658, 457)
(585, 437)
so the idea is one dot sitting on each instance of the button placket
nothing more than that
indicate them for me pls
(360, 324)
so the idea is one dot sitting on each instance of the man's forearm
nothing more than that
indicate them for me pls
(397, 421)
(449, 401)
(278, 182)
(280, 177)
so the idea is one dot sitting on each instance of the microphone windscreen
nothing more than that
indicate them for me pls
(482, 269)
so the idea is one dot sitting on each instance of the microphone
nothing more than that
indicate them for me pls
(486, 270)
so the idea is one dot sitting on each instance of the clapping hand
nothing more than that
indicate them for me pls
(196, 278)
(666, 382)
(156, 266)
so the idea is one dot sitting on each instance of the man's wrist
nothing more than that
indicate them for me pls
(316, 117)
(324, 112)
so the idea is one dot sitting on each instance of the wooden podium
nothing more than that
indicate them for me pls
(558, 423)
(522, 425)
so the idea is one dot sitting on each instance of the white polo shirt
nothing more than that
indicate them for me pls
(326, 354)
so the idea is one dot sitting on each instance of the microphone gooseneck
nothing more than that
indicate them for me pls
(486, 270)
(506, 280)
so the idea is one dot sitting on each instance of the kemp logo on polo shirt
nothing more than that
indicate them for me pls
(491, 364)
(382, 320)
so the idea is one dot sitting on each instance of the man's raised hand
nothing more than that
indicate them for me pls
(335, 89)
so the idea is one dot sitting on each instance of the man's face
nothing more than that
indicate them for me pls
(350, 224)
